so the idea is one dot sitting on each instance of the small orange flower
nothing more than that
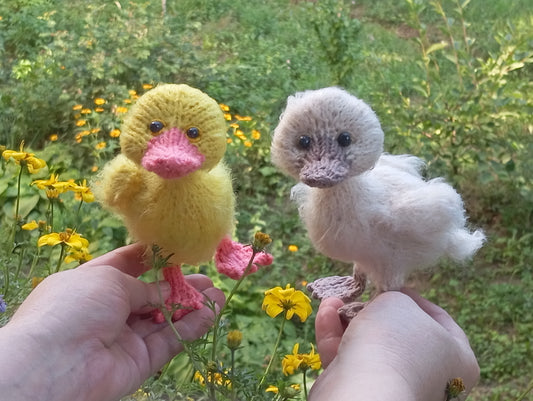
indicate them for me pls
(147, 86)
(77, 107)
(53, 138)
(227, 116)
(115, 133)
(99, 109)
(256, 134)
(86, 111)
(241, 118)
(292, 248)
(224, 107)
(121, 110)
(100, 145)
(99, 101)
(81, 123)
(248, 144)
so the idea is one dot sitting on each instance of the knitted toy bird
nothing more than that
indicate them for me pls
(362, 206)
(172, 188)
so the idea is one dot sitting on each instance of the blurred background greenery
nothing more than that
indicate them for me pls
(449, 79)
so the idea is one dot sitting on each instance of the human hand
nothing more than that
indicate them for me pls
(82, 333)
(399, 347)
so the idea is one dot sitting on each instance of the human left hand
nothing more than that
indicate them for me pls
(83, 334)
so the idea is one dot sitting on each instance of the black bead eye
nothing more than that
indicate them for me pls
(156, 126)
(304, 142)
(344, 139)
(193, 132)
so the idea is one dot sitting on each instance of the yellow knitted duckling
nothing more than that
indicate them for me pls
(172, 188)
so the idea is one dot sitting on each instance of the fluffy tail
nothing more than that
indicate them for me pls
(463, 245)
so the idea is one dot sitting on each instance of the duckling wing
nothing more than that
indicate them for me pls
(404, 163)
(118, 183)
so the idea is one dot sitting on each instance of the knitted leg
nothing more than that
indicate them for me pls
(232, 258)
(184, 298)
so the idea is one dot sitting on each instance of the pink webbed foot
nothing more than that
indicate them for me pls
(232, 258)
(183, 299)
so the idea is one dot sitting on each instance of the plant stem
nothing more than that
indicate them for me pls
(523, 395)
(19, 265)
(232, 377)
(305, 383)
(17, 206)
(274, 351)
(228, 299)
(76, 225)
(60, 260)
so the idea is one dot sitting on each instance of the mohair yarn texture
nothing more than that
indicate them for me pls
(361, 205)
(185, 203)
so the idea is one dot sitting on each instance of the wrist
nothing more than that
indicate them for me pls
(32, 368)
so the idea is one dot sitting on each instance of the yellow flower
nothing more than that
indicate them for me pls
(86, 111)
(247, 144)
(53, 185)
(256, 134)
(234, 125)
(67, 237)
(98, 109)
(227, 116)
(81, 123)
(121, 109)
(53, 137)
(288, 300)
(95, 130)
(115, 133)
(81, 255)
(127, 101)
(32, 225)
(35, 281)
(32, 163)
(99, 101)
(83, 191)
(239, 134)
(132, 92)
(229, 140)
(94, 169)
(286, 391)
(218, 378)
(100, 145)
(272, 389)
(293, 248)
(224, 107)
(241, 118)
(77, 107)
(234, 339)
(147, 86)
(296, 361)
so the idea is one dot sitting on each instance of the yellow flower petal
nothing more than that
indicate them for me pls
(32, 225)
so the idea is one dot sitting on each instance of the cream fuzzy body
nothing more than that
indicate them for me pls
(387, 236)
(361, 205)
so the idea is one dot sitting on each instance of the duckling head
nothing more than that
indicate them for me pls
(174, 130)
(326, 136)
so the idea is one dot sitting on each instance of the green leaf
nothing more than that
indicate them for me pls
(436, 47)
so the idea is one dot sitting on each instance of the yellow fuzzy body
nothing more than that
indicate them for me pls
(187, 216)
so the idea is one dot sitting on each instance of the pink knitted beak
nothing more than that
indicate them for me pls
(171, 155)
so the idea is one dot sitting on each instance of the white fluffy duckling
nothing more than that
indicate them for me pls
(360, 205)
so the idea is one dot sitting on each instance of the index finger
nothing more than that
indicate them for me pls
(128, 259)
